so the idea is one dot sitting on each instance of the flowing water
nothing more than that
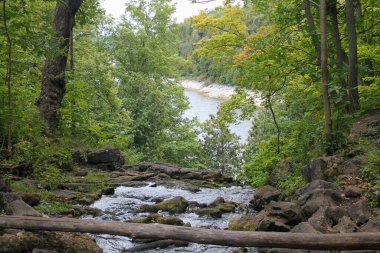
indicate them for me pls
(122, 206)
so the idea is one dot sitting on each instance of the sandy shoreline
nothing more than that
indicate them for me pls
(213, 90)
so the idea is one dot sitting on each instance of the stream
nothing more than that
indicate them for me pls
(122, 206)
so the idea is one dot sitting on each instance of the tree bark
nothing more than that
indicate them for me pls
(324, 76)
(53, 73)
(353, 93)
(8, 79)
(349, 241)
(312, 30)
(341, 56)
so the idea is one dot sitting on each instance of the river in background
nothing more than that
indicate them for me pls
(205, 101)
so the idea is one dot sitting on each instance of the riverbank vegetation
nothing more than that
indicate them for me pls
(314, 67)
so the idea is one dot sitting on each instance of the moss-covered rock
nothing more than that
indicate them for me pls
(57, 241)
(259, 222)
(157, 218)
(174, 205)
(209, 211)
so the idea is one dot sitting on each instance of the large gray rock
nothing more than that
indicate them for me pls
(321, 222)
(108, 158)
(318, 184)
(346, 225)
(287, 210)
(314, 170)
(304, 227)
(371, 226)
(359, 212)
(20, 208)
(6, 198)
(263, 196)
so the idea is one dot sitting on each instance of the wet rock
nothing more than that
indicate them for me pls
(108, 158)
(359, 212)
(263, 196)
(174, 205)
(213, 212)
(217, 201)
(259, 222)
(372, 225)
(108, 191)
(5, 186)
(353, 191)
(304, 227)
(53, 241)
(88, 199)
(157, 218)
(81, 173)
(20, 208)
(346, 225)
(32, 199)
(288, 210)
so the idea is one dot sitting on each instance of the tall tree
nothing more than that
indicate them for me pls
(53, 80)
(353, 93)
(324, 73)
(8, 78)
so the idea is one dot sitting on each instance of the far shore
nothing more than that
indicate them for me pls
(213, 90)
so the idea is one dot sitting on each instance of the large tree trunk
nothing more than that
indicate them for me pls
(324, 75)
(312, 30)
(348, 241)
(353, 93)
(8, 78)
(53, 73)
(341, 56)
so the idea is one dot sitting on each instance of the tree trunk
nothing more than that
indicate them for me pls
(341, 56)
(349, 241)
(53, 73)
(312, 30)
(8, 79)
(324, 74)
(353, 93)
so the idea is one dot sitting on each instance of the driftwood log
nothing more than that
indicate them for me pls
(349, 241)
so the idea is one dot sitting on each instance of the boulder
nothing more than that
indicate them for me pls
(359, 212)
(353, 191)
(263, 196)
(157, 218)
(304, 227)
(20, 208)
(65, 195)
(346, 225)
(5, 186)
(321, 222)
(108, 191)
(51, 241)
(217, 201)
(108, 158)
(213, 212)
(318, 184)
(259, 222)
(32, 199)
(20, 170)
(291, 212)
(174, 205)
(371, 226)
(314, 170)
(6, 198)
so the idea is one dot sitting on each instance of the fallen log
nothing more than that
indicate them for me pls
(349, 241)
